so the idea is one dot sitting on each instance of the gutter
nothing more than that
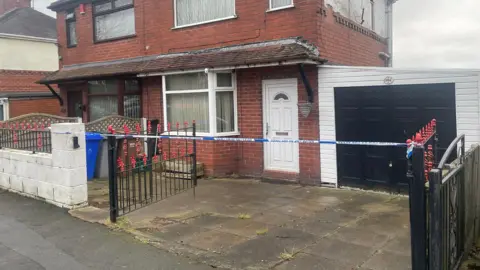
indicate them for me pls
(280, 63)
(28, 38)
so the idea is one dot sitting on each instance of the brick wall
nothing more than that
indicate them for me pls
(38, 105)
(154, 34)
(21, 81)
(341, 44)
(224, 158)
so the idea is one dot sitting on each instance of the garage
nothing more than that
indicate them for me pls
(389, 105)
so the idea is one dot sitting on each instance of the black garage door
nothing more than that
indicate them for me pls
(387, 114)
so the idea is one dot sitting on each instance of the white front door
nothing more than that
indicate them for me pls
(280, 115)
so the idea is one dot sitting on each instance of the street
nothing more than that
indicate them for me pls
(35, 235)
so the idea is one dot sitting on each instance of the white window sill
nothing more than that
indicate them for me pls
(280, 8)
(206, 22)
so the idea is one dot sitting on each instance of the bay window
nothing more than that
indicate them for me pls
(113, 19)
(114, 97)
(192, 12)
(207, 98)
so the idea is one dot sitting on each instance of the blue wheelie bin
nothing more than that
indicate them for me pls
(93, 141)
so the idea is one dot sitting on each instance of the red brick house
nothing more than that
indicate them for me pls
(248, 64)
(28, 52)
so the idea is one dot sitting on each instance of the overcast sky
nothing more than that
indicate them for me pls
(437, 33)
(427, 33)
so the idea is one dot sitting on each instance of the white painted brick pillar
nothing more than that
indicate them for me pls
(69, 172)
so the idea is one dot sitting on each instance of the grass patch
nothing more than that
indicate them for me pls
(262, 231)
(288, 255)
(244, 216)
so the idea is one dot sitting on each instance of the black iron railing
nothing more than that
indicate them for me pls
(32, 140)
(444, 205)
(139, 176)
(421, 158)
(454, 206)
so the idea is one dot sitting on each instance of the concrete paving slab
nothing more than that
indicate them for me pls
(400, 244)
(91, 214)
(244, 227)
(385, 223)
(175, 232)
(339, 216)
(265, 251)
(308, 261)
(209, 221)
(385, 260)
(361, 237)
(346, 252)
(215, 241)
(274, 218)
(318, 228)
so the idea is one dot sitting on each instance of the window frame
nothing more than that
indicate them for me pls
(212, 102)
(111, 11)
(270, 9)
(67, 28)
(176, 26)
(120, 94)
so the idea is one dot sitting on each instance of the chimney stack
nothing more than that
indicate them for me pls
(7, 5)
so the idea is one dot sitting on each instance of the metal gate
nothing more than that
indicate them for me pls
(146, 168)
(444, 205)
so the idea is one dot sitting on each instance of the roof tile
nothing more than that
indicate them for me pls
(247, 54)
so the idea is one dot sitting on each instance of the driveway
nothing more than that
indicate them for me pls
(248, 224)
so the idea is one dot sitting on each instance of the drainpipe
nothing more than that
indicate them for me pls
(389, 15)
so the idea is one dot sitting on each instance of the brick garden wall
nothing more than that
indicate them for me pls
(38, 105)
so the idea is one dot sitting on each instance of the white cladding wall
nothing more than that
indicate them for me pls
(22, 54)
(361, 10)
(59, 178)
(467, 101)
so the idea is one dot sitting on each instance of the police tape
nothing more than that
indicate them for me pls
(256, 140)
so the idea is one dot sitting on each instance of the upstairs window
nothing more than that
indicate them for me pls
(71, 26)
(113, 19)
(192, 12)
(278, 4)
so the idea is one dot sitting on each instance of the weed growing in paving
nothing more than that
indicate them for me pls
(287, 256)
(244, 216)
(262, 231)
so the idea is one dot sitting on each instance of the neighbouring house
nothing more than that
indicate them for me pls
(28, 52)
(240, 68)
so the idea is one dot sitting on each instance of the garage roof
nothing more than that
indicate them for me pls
(250, 55)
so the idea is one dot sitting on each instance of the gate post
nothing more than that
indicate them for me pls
(418, 222)
(112, 175)
(194, 158)
(435, 233)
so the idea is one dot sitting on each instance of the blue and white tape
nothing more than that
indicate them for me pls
(257, 140)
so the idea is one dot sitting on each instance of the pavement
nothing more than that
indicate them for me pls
(35, 235)
(249, 224)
